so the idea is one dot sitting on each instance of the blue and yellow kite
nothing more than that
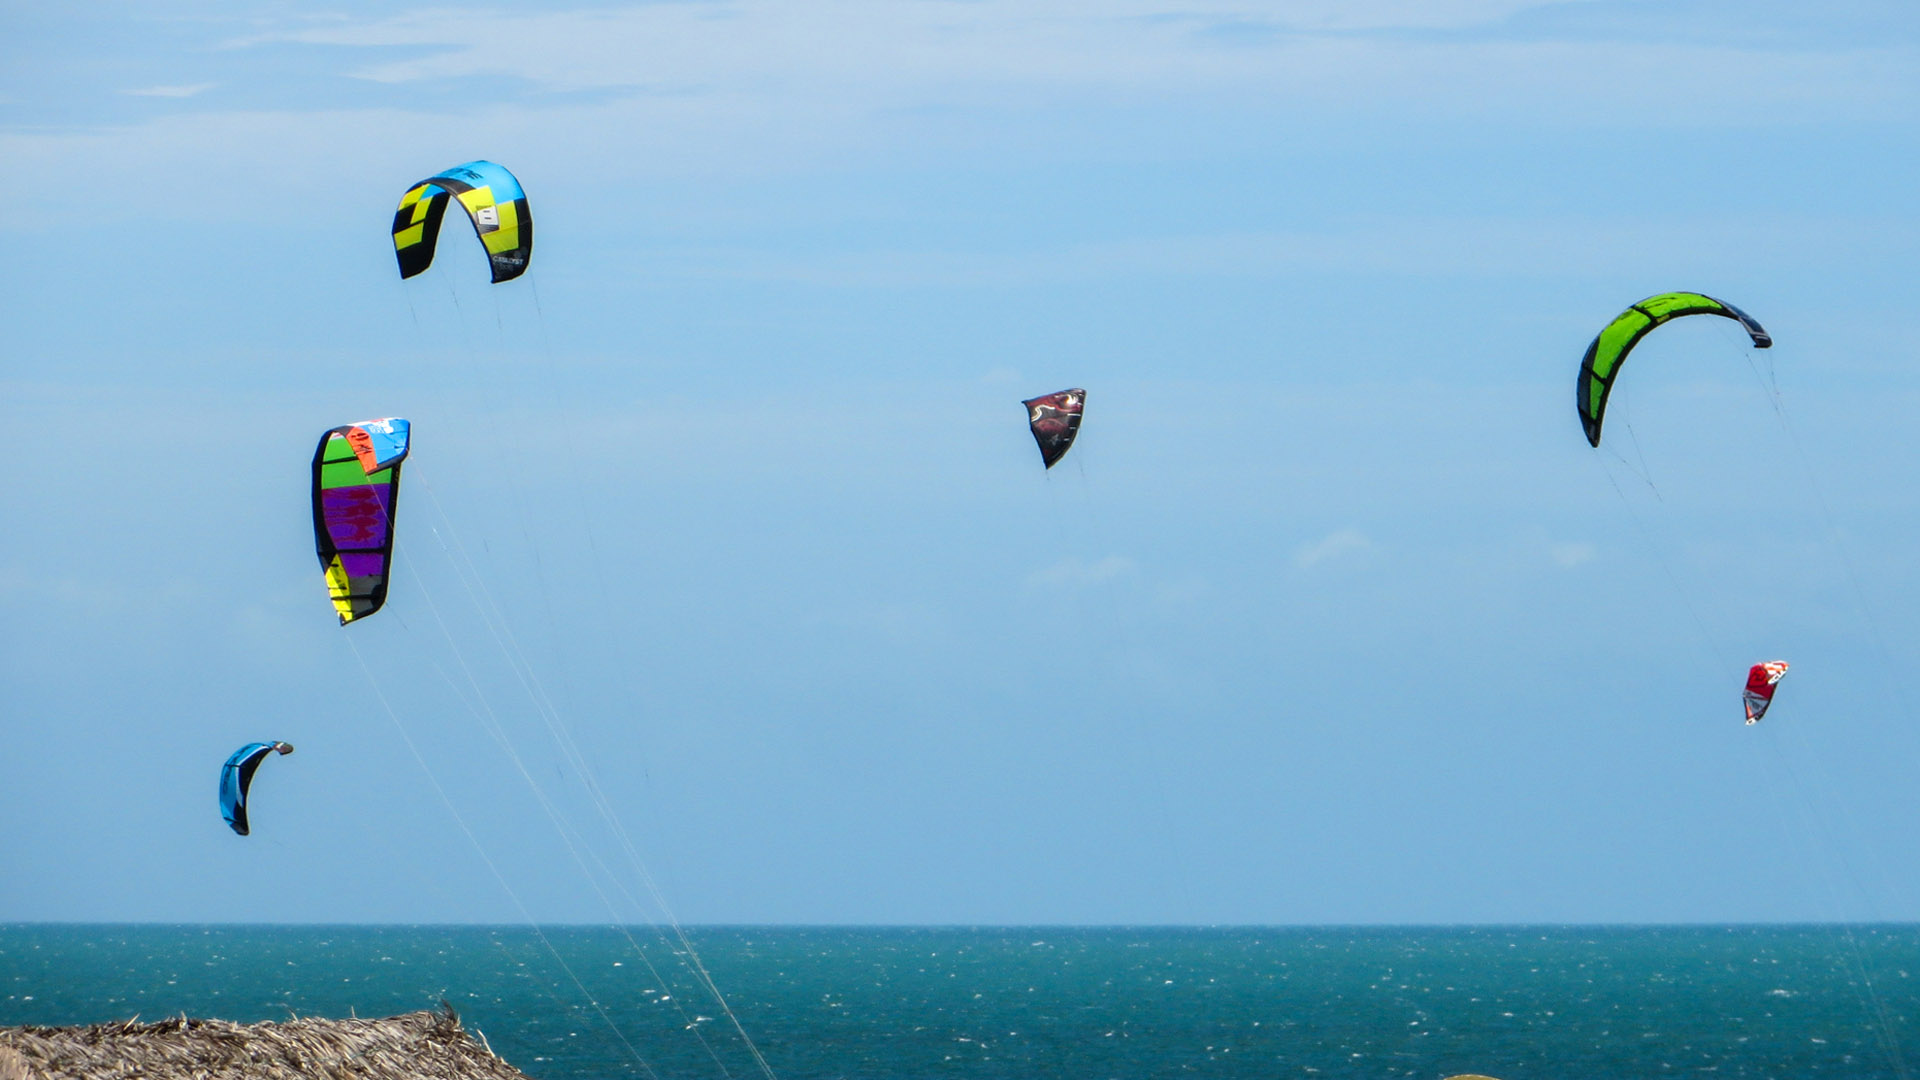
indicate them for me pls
(491, 197)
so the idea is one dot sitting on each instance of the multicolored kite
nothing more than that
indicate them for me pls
(1055, 420)
(491, 197)
(236, 779)
(1609, 350)
(1761, 680)
(356, 480)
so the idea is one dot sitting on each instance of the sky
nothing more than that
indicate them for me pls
(729, 581)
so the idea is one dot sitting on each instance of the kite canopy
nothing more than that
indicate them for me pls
(493, 200)
(356, 482)
(1055, 420)
(1609, 350)
(1761, 681)
(236, 779)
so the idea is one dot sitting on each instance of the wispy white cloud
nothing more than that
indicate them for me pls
(733, 87)
(1401, 245)
(876, 55)
(1335, 545)
(858, 41)
(93, 596)
(1359, 16)
(186, 91)
(1182, 591)
(1343, 15)
(1079, 572)
(1573, 554)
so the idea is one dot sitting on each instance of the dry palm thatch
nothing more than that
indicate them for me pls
(410, 1047)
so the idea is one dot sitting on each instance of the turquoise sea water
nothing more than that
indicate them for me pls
(1515, 1002)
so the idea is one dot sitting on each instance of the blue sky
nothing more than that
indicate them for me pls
(1331, 616)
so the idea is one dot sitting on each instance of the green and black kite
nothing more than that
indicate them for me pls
(1609, 350)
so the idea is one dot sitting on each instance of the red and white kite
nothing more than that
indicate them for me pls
(1760, 683)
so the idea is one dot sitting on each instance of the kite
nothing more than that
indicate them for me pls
(356, 482)
(1761, 680)
(491, 197)
(1609, 350)
(1055, 420)
(236, 779)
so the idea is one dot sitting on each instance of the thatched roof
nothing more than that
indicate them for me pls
(411, 1047)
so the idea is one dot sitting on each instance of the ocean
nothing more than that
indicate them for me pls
(574, 1003)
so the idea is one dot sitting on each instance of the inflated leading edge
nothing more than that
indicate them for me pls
(356, 488)
(1054, 420)
(236, 781)
(494, 203)
(1609, 350)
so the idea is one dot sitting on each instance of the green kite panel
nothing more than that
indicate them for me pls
(1610, 347)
